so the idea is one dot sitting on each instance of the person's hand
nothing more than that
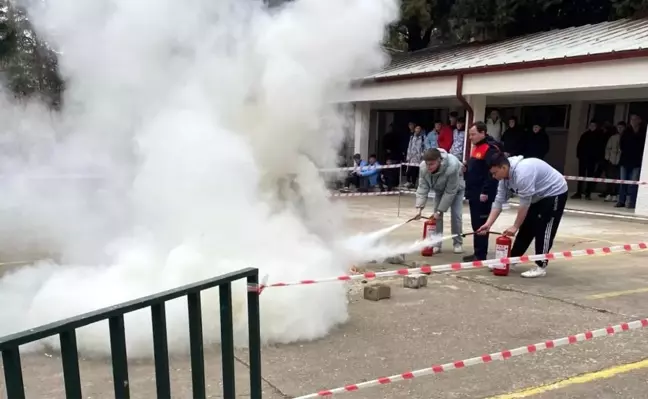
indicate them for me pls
(483, 197)
(510, 232)
(483, 230)
(436, 215)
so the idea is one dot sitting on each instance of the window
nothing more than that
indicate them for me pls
(504, 112)
(602, 113)
(548, 116)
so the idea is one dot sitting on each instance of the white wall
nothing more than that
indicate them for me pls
(642, 195)
(608, 75)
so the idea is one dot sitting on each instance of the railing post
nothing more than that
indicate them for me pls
(254, 332)
(161, 351)
(70, 359)
(13, 373)
(227, 340)
(194, 306)
(119, 357)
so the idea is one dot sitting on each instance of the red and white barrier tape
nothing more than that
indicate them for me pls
(574, 178)
(484, 359)
(602, 214)
(377, 193)
(470, 265)
(601, 180)
(361, 168)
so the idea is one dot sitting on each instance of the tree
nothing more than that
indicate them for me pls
(28, 65)
(426, 22)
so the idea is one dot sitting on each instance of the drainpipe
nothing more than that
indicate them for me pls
(470, 111)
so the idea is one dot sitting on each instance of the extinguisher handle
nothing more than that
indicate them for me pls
(473, 233)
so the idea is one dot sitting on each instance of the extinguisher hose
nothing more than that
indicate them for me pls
(462, 235)
(473, 233)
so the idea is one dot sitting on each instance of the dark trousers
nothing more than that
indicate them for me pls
(586, 169)
(412, 174)
(352, 179)
(612, 172)
(541, 225)
(479, 212)
(390, 178)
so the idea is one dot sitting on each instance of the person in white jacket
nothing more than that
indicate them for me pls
(612, 158)
(495, 126)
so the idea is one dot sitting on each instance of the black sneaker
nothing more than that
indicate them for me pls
(619, 205)
(588, 197)
(471, 258)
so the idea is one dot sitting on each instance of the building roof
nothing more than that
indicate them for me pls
(621, 36)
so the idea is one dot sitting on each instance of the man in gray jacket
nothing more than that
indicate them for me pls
(543, 194)
(443, 173)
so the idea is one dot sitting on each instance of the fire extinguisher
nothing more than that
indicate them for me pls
(429, 229)
(502, 250)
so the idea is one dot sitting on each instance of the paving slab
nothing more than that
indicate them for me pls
(631, 385)
(449, 320)
(456, 316)
(43, 377)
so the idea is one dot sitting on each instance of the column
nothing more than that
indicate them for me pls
(642, 195)
(478, 105)
(577, 124)
(361, 129)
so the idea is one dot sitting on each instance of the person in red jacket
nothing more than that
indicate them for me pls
(445, 135)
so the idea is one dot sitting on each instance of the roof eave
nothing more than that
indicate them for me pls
(582, 59)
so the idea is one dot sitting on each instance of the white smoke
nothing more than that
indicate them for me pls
(183, 123)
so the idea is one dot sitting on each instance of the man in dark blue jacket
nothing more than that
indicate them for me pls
(481, 187)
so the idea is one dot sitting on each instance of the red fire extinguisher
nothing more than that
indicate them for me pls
(429, 229)
(502, 250)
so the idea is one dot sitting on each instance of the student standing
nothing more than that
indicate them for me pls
(481, 188)
(543, 194)
(443, 173)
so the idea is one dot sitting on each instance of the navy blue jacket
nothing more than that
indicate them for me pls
(478, 178)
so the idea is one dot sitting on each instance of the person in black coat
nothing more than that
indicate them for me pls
(515, 138)
(537, 144)
(481, 187)
(632, 145)
(590, 152)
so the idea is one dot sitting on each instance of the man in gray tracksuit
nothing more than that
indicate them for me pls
(543, 194)
(443, 173)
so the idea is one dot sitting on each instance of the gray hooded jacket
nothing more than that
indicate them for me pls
(446, 182)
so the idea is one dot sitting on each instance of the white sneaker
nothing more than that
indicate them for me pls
(537, 271)
(608, 198)
(458, 249)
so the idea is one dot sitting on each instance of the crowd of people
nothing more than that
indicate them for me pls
(487, 180)
(450, 136)
(508, 162)
(613, 152)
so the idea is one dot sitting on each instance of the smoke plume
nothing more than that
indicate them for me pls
(187, 147)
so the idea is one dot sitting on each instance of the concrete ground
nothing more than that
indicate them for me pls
(457, 316)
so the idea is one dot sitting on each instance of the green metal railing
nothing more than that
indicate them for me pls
(66, 330)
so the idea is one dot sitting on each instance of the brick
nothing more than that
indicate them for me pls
(415, 281)
(377, 292)
(421, 264)
(395, 260)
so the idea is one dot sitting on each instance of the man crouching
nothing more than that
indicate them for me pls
(443, 173)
